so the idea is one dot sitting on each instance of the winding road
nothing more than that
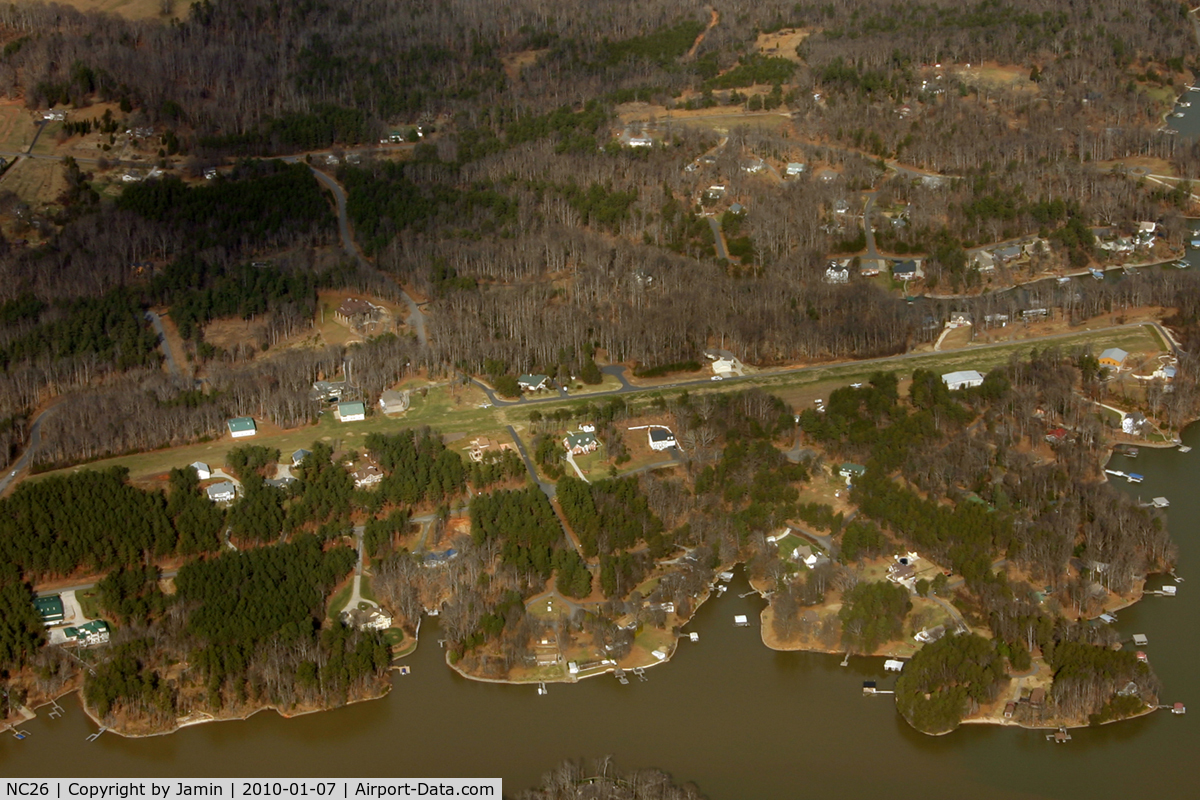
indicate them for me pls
(416, 319)
(22, 463)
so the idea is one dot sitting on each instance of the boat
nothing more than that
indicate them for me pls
(1131, 452)
(542, 688)
(1177, 114)
(1133, 477)
(1064, 279)
(1181, 264)
(1185, 104)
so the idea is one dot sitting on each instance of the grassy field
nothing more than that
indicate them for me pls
(16, 126)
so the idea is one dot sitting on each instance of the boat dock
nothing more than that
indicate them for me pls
(542, 688)
(620, 676)
(1060, 736)
(1166, 591)
(1183, 448)
(741, 621)
(640, 672)
(1132, 477)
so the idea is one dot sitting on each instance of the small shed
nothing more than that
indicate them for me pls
(202, 470)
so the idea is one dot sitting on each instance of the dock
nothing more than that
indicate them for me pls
(893, 665)
(1060, 736)
(1183, 448)
(1140, 639)
(741, 621)
(695, 637)
(870, 690)
(1166, 591)
(640, 672)
(620, 676)
(96, 735)
(1132, 477)
(542, 688)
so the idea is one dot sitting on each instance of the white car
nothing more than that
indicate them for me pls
(715, 378)
(856, 386)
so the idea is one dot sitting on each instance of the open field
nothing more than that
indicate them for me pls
(781, 44)
(998, 76)
(132, 9)
(37, 182)
(16, 126)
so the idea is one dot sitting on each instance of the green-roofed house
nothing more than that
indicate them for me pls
(240, 427)
(51, 609)
(532, 383)
(88, 634)
(579, 443)
(354, 411)
(852, 471)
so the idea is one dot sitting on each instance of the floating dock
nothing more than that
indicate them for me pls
(1140, 639)
(620, 675)
(741, 621)
(695, 637)
(1183, 448)
(893, 665)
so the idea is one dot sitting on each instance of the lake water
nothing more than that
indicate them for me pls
(739, 720)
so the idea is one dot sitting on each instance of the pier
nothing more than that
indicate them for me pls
(620, 676)
(1060, 736)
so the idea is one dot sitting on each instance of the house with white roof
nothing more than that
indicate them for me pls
(963, 379)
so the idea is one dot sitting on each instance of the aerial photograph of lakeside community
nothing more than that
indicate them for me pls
(636, 400)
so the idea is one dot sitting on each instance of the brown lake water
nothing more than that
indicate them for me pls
(739, 720)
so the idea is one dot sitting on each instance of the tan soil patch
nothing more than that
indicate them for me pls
(781, 44)
(131, 9)
(16, 126)
(515, 62)
(998, 76)
(38, 182)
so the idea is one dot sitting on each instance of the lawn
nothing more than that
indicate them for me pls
(89, 602)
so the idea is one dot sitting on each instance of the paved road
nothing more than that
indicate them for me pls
(35, 438)
(156, 321)
(415, 320)
(720, 239)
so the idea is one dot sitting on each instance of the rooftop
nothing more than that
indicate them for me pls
(239, 424)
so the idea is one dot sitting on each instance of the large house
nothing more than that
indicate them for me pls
(1113, 358)
(221, 492)
(661, 438)
(367, 475)
(724, 363)
(369, 619)
(354, 411)
(963, 379)
(240, 427)
(88, 634)
(393, 402)
(356, 312)
(905, 270)
(328, 390)
(532, 383)
(579, 443)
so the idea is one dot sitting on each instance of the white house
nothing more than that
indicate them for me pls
(88, 634)
(724, 363)
(837, 275)
(202, 470)
(983, 261)
(963, 379)
(355, 411)
(641, 141)
(222, 492)
(661, 438)
(1133, 423)
(793, 169)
